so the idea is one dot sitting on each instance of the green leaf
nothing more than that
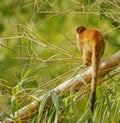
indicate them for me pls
(56, 117)
(13, 105)
(5, 116)
(55, 100)
(50, 119)
(26, 74)
(42, 105)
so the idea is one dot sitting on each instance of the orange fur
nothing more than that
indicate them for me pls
(91, 44)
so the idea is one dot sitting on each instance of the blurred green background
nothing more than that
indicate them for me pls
(38, 43)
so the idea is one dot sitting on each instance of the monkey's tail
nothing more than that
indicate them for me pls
(95, 65)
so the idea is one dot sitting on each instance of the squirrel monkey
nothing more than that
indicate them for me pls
(91, 44)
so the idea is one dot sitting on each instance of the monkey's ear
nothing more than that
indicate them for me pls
(80, 29)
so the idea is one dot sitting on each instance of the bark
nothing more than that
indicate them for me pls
(76, 81)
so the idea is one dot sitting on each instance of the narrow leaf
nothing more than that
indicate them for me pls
(42, 105)
(55, 100)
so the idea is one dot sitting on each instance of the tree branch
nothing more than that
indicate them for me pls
(105, 67)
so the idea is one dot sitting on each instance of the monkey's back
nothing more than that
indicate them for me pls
(91, 35)
(93, 38)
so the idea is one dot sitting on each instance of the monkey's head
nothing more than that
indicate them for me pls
(80, 29)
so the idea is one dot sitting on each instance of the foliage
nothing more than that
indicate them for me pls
(38, 52)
